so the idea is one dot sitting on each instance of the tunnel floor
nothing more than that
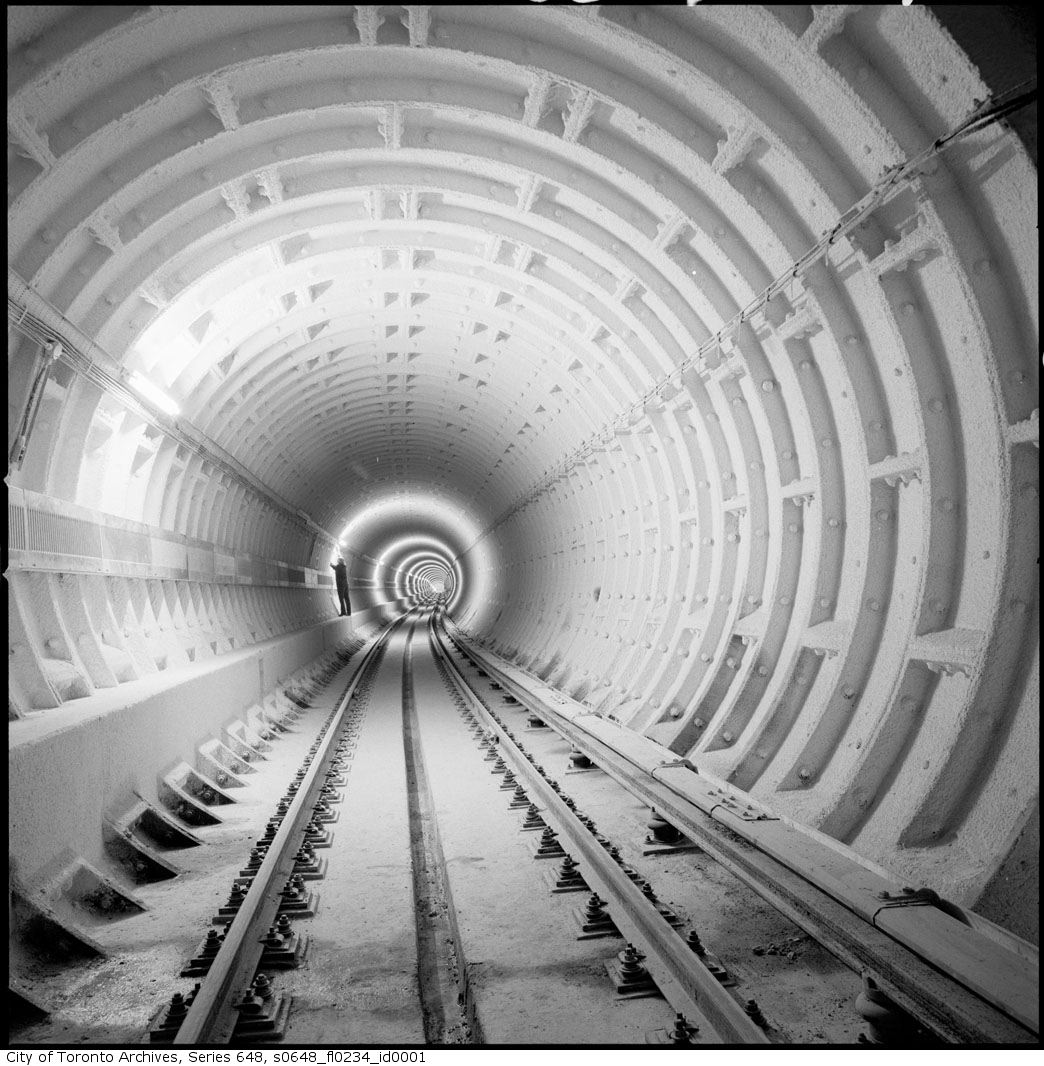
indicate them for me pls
(481, 951)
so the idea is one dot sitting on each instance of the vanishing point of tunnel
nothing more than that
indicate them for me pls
(666, 374)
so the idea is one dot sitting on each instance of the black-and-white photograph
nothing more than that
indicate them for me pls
(522, 530)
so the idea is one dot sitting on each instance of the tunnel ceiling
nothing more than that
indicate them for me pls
(444, 271)
(415, 261)
(378, 248)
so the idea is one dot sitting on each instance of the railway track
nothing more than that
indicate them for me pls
(983, 985)
(240, 999)
(235, 1000)
(426, 879)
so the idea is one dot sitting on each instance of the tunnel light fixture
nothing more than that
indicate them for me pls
(153, 393)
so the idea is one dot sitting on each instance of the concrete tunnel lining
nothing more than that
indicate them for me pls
(403, 299)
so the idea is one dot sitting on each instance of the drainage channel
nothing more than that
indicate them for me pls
(449, 1017)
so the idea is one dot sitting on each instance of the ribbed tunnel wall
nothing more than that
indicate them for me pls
(471, 275)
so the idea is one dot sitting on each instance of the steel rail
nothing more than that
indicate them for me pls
(679, 972)
(211, 1019)
(913, 985)
(953, 1011)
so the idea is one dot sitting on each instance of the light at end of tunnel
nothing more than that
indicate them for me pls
(153, 393)
(390, 538)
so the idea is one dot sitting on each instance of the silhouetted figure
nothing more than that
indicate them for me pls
(341, 577)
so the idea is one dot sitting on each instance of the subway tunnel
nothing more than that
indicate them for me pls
(681, 360)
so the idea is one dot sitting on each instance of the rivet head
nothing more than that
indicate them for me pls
(768, 385)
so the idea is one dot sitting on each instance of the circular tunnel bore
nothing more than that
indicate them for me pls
(659, 341)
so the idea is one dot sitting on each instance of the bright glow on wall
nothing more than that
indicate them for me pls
(425, 508)
(153, 393)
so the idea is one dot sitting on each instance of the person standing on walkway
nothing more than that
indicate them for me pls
(341, 577)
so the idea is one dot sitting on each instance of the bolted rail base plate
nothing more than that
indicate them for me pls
(645, 989)
(269, 1025)
(651, 846)
(555, 885)
(595, 930)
